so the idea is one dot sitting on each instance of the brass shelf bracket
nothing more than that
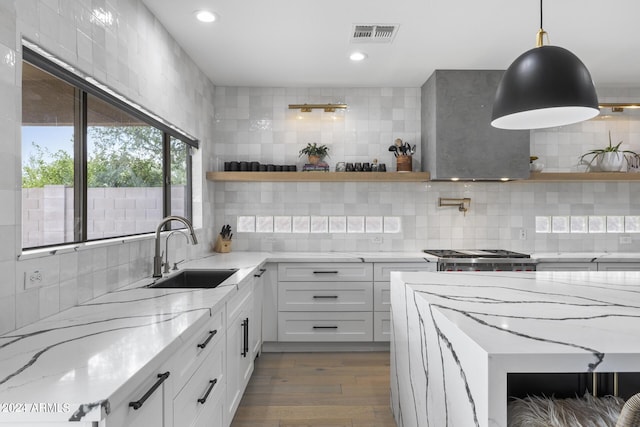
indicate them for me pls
(463, 205)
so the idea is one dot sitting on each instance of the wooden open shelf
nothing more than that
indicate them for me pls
(319, 176)
(583, 176)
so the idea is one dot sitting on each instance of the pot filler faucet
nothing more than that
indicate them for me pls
(157, 259)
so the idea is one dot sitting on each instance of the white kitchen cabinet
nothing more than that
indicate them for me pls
(618, 266)
(269, 283)
(325, 296)
(325, 272)
(169, 397)
(323, 326)
(202, 397)
(382, 293)
(567, 266)
(144, 407)
(325, 302)
(256, 314)
(239, 362)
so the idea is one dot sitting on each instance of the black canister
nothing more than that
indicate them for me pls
(235, 166)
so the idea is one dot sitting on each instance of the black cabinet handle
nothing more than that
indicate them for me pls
(325, 327)
(325, 296)
(262, 270)
(205, 342)
(138, 403)
(245, 338)
(212, 384)
(326, 272)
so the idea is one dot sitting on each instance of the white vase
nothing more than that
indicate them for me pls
(610, 161)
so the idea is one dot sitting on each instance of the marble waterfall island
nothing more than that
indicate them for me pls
(456, 337)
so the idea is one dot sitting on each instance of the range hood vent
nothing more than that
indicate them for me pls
(374, 33)
(458, 141)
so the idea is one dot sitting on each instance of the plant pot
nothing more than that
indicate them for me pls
(610, 162)
(314, 160)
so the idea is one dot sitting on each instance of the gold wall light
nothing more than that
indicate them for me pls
(328, 108)
(617, 107)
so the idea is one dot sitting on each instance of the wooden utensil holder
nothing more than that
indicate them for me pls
(404, 163)
(222, 245)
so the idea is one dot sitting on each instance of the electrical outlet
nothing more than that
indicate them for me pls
(33, 278)
(625, 240)
(377, 240)
(523, 234)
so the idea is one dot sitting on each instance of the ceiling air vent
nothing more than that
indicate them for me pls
(374, 33)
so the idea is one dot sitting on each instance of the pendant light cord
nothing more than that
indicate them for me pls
(540, 14)
(541, 33)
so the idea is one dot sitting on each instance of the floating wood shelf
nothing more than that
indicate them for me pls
(319, 176)
(583, 176)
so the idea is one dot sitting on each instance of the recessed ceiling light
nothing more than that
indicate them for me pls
(205, 16)
(358, 56)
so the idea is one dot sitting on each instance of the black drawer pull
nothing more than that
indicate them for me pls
(325, 327)
(211, 335)
(326, 272)
(212, 384)
(245, 337)
(262, 270)
(325, 296)
(138, 403)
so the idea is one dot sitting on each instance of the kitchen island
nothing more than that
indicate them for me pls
(457, 336)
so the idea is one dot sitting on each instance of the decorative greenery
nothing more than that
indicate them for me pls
(313, 149)
(608, 149)
(125, 156)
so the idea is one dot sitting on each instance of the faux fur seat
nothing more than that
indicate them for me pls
(588, 411)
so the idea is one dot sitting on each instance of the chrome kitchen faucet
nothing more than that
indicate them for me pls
(157, 259)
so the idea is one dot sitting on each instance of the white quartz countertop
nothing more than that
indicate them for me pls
(536, 317)
(586, 256)
(88, 354)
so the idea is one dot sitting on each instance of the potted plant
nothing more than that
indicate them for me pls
(315, 152)
(608, 159)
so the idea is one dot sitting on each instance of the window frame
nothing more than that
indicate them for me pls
(83, 87)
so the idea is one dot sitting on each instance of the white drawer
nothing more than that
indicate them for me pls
(193, 399)
(238, 301)
(381, 296)
(325, 296)
(325, 272)
(323, 326)
(382, 270)
(382, 326)
(196, 349)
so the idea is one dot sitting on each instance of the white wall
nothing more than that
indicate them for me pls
(134, 56)
(255, 124)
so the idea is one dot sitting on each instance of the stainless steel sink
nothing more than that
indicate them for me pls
(198, 279)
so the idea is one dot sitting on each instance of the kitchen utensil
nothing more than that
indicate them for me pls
(394, 150)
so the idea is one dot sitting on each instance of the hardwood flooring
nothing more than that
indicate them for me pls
(317, 390)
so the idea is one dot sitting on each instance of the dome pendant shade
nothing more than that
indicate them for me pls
(546, 86)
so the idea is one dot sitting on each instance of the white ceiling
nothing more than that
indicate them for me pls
(306, 43)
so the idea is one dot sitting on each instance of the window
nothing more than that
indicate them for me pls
(93, 167)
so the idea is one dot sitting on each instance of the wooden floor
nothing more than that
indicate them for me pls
(317, 390)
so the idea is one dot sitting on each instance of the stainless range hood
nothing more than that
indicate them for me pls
(458, 141)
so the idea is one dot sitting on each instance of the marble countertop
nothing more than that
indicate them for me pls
(90, 353)
(530, 317)
(586, 256)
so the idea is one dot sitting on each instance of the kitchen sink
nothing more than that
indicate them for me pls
(196, 279)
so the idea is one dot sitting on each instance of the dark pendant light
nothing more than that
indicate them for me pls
(546, 86)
